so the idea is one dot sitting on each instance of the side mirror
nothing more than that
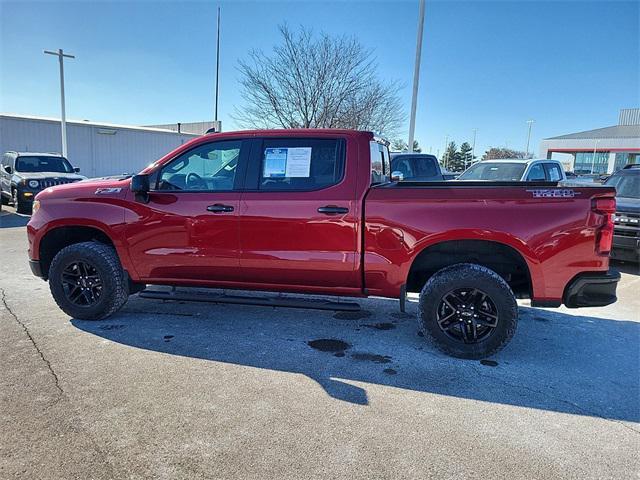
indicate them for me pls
(140, 187)
(8, 169)
(397, 176)
(76, 169)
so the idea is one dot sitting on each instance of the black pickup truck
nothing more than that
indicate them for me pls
(626, 233)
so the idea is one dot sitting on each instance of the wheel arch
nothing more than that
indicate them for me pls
(517, 267)
(60, 236)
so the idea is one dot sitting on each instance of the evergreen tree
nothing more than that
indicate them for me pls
(400, 145)
(466, 155)
(451, 159)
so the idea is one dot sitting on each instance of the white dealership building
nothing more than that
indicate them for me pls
(599, 151)
(98, 149)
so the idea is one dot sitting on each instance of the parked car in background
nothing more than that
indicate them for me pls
(514, 170)
(24, 174)
(417, 167)
(626, 233)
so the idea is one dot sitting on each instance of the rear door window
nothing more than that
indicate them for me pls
(380, 163)
(301, 164)
(554, 173)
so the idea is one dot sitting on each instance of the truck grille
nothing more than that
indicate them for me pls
(52, 182)
(626, 224)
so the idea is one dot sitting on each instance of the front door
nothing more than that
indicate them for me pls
(298, 216)
(188, 231)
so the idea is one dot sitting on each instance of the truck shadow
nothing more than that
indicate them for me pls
(556, 362)
(9, 219)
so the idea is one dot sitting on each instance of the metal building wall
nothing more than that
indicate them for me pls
(629, 116)
(98, 149)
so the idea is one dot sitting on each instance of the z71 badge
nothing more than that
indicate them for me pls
(107, 190)
(553, 193)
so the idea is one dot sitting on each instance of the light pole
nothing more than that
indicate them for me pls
(473, 147)
(445, 155)
(63, 120)
(217, 125)
(593, 160)
(416, 76)
(530, 122)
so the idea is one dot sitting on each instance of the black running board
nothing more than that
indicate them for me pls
(310, 303)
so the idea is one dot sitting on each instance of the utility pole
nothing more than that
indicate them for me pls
(63, 120)
(530, 122)
(593, 160)
(445, 155)
(416, 76)
(473, 147)
(216, 123)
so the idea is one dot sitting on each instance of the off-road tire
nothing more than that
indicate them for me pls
(468, 275)
(105, 260)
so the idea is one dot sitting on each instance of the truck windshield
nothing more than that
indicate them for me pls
(499, 171)
(627, 186)
(43, 164)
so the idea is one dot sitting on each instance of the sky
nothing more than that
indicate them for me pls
(486, 65)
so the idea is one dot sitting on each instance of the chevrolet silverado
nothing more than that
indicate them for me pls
(316, 212)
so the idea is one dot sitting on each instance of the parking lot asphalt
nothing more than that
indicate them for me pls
(169, 390)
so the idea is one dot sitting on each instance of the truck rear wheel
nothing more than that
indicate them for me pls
(468, 310)
(87, 281)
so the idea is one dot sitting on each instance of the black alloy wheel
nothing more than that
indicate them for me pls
(468, 311)
(467, 315)
(82, 283)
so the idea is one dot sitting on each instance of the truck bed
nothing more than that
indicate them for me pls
(550, 226)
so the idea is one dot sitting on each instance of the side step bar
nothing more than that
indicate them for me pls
(240, 300)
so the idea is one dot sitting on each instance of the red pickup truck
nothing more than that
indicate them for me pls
(315, 211)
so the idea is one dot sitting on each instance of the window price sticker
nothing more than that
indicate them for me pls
(293, 162)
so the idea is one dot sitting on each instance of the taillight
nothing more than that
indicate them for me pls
(605, 207)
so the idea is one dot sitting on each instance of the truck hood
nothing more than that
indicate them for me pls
(49, 175)
(89, 188)
(628, 205)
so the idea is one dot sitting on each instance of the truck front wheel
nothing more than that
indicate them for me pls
(468, 310)
(87, 281)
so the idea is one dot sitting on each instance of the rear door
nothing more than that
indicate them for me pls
(189, 228)
(298, 215)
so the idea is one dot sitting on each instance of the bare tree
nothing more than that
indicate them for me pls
(317, 82)
(503, 152)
